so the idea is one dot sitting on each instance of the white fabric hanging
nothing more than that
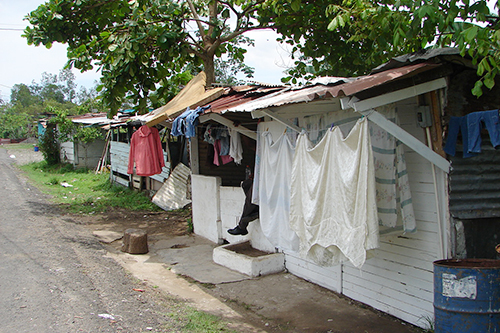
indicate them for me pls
(274, 192)
(235, 147)
(395, 207)
(256, 169)
(332, 205)
(394, 202)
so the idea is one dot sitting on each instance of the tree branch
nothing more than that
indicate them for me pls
(198, 21)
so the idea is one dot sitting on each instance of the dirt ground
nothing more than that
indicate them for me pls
(294, 306)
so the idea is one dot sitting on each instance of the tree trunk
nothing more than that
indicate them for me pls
(208, 65)
(135, 241)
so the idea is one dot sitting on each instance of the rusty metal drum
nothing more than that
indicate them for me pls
(467, 296)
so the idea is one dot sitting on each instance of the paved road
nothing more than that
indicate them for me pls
(54, 276)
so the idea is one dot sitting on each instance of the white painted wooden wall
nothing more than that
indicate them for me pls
(218, 208)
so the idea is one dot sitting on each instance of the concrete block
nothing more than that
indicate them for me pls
(242, 258)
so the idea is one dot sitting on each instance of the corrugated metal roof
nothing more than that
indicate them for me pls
(373, 80)
(310, 93)
(91, 118)
(238, 96)
(419, 56)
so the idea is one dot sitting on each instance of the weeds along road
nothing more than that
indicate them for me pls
(54, 276)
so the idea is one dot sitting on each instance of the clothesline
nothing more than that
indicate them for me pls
(287, 128)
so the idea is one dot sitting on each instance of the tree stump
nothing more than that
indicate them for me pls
(135, 241)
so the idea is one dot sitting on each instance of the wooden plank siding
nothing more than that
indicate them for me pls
(398, 278)
(118, 152)
(327, 277)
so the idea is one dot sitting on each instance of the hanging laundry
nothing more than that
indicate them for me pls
(224, 141)
(394, 202)
(333, 202)
(274, 197)
(235, 147)
(256, 168)
(457, 125)
(186, 123)
(207, 136)
(476, 121)
(218, 159)
(146, 151)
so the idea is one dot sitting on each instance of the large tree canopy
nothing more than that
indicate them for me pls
(139, 45)
(472, 26)
(352, 36)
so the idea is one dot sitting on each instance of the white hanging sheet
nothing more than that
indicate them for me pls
(394, 203)
(333, 202)
(274, 191)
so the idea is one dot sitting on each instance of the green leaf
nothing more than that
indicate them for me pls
(333, 24)
(471, 33)
(477, 90)
(112, 47)
(489, 82)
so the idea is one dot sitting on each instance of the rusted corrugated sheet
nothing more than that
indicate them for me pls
(370, 81)
(239, 97)
(310, 93)
(475, 184)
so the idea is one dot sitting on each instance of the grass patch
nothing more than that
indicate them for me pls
(26, 146)
(191, 320)
(83, 191)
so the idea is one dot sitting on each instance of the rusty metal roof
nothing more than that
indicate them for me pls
(287, 95)
(239, 95)
(370, 81)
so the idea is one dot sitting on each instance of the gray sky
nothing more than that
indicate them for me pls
(21, 63)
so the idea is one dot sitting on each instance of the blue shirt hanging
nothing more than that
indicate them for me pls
(186, 123)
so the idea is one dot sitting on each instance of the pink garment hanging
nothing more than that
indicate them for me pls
(224, 158)
(146, 151)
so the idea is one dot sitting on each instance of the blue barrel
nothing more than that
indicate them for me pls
(467, 296)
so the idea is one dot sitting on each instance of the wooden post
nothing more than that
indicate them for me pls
(135, 241)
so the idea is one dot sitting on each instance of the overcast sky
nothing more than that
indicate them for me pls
(20, 63)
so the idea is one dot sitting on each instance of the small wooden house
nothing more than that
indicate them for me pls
(454, 200)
